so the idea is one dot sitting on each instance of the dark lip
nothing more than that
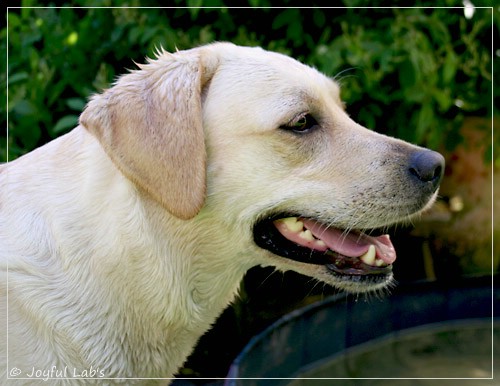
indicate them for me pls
(267, 236)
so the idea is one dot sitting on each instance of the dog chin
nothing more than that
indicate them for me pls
(428, 205)
(363, 284)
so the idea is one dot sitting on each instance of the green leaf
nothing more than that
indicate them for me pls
(319, 18)
(285, 18)
(425, 121)
(148, 34)
(407, 74)
(194, 7)
(133, 35)
(25, 108)
(77, 104)
(14, 20)
(450, 66)
(443, 98)
(28, 133)
(18, 77)
(65, 123)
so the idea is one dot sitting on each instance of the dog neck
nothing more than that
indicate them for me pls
(136, 293)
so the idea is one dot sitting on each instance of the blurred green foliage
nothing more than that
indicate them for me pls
(412, 73)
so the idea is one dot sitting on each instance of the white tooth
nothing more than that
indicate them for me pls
(380, 263)
(369, 257)
(320, 243)
(293, 224)
(306, 235)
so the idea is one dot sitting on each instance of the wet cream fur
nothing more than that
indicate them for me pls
(123, 240)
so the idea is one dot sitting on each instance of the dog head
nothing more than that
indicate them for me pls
(263, 144)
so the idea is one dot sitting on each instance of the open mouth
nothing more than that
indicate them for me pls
(349, 254)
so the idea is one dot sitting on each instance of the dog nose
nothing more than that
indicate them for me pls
(427, 166)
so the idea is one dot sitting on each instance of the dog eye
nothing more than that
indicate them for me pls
(303, 124)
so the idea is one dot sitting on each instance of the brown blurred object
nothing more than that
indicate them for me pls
(460, 223)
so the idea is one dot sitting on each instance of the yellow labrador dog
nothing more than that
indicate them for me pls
(122, 241)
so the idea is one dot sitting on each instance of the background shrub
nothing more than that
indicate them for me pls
(412, 73)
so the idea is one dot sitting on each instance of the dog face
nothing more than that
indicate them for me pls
(262, 145)
(306, 180)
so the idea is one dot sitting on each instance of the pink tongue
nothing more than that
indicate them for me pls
(351, 244)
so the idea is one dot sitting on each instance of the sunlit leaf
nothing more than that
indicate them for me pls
(65, 123)
(425, 120)
(18, 77)
(77, 104)
(450, 66)
(25, 107)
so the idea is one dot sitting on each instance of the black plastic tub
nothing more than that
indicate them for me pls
(428, 330)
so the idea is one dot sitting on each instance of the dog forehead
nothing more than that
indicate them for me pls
(254, 66)
(250, 80)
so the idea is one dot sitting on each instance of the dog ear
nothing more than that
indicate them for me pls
(150, 125)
